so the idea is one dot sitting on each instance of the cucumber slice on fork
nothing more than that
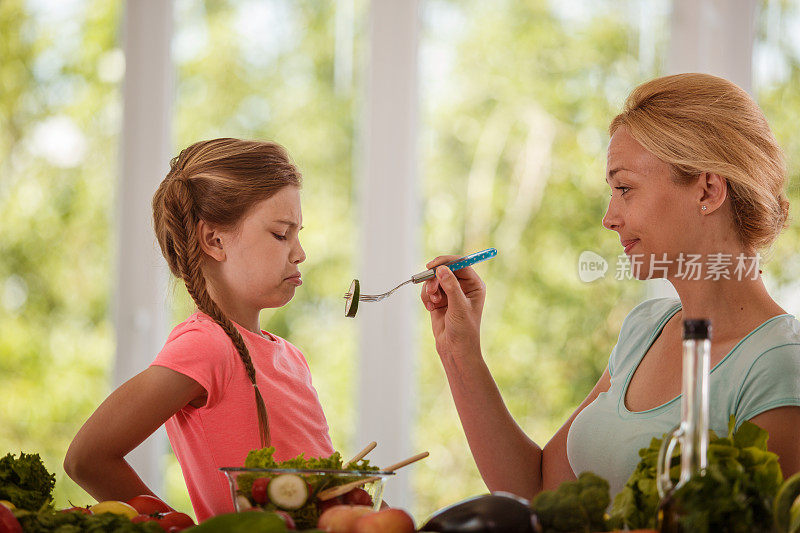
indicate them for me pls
(351, 302)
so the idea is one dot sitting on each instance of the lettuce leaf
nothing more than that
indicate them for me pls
(735, 494)
(25, 481)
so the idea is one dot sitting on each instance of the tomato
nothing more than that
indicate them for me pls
(138, 519)
(8, 522)
(259, 490)
(358, 497)
(147, 504)
(175, 519)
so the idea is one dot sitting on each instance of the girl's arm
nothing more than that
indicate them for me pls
(506, 457)
(96, 457)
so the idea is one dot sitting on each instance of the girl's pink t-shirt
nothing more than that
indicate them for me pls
(225, 429)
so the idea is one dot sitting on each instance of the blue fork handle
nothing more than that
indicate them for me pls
(458, 264)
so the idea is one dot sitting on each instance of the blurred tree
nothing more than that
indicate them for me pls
(516, 100)
(777, 68)
(59, 110)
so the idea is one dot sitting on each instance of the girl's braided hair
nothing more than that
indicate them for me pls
(217, 181)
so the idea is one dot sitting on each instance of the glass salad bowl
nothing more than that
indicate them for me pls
(304, 493)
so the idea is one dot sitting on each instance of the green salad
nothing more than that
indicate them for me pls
(296, 494)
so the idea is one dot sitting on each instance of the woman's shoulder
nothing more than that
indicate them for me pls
(777, 335)
(766, 367)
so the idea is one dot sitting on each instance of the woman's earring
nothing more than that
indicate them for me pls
(704, 207)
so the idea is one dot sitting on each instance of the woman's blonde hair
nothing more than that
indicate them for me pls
(217, 181)
(701, 123)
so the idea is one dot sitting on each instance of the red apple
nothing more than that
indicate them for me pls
(388, 521)
(340, 518)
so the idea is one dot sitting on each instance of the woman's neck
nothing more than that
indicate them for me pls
(732, 305)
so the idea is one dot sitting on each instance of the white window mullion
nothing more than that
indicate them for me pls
(389, 221)
(140, 316)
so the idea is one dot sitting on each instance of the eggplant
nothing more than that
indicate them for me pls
(500, 512)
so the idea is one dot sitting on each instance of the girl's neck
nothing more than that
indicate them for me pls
(236, 311)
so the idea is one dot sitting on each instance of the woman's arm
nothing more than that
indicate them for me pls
(506, 457)
(782, 424)
(95, 458)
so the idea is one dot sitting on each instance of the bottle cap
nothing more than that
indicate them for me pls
(697, 328)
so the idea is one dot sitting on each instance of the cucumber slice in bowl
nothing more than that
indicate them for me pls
(351, 302)
(288, 491)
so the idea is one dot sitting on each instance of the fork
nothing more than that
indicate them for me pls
(458, 264)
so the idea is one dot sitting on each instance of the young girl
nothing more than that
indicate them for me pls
(227, 218)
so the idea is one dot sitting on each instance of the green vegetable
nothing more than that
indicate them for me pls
(576, 506)
(241, 523)
(735, 494)
(25, 482)
(351, 303)
(786, 500)
(307, 515)
(48, 520)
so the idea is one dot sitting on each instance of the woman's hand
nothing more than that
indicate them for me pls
(455, 301)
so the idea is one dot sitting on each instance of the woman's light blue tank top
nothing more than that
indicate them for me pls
(760, 373)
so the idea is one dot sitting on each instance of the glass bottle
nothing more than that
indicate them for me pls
(692, 433)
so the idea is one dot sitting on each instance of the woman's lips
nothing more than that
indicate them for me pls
(295, 280)
(629, 244)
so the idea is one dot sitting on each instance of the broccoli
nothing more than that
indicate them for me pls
(25, 482)
(576, 506)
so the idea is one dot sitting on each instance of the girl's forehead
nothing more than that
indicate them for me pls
(282, 206)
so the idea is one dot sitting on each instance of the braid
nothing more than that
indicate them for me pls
(186, 256)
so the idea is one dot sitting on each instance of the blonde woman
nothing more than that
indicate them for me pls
(694, 172)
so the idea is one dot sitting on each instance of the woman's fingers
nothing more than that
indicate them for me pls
(434, 299)
(435, 295)
(442, 259)
(451, 287)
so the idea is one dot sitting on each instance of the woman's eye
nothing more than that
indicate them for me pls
(279, 236)
(623, 189)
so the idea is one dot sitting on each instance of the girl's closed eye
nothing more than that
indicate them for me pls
(279, 236)
(623, 189)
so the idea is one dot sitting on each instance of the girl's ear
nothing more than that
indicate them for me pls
(210, 241)
(713, 191)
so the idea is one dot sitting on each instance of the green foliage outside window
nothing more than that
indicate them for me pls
(515, 101)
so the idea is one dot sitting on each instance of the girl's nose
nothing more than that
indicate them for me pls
(299, 254)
